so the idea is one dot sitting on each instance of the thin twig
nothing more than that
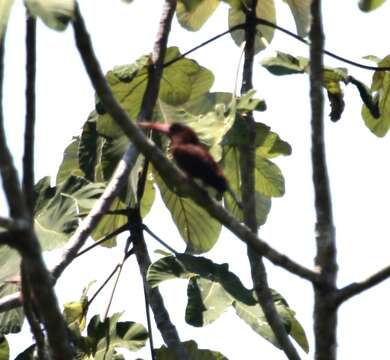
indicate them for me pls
(261, 21)
(102, 240)
(325, 315)
(356, 288)
(119, 269)
(101, 287)
(159, 240)
(149, 323)
(247, 169)
(28, 156)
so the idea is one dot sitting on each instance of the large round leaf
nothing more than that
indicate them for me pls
(197, 228)
(192, 14)
(265, 9)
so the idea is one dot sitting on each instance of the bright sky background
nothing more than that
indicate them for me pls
(358, 166)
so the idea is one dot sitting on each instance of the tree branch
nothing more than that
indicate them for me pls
(356, 288)
(325, 315)
(247, 170)
(28, 156)
(169, 171)
(26, 243)
(156, 301)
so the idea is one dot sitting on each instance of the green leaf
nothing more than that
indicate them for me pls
(181, 81)
(70, 162)
(43, 192)
(5, 10)
(109, 223)
(265, 9)
(285, 64)
(187, 266)
(75, 312)
(197, 228)
(254, 316)
(184, 80)
(268, 143)
(369, 5)
(269, 178)
(210, 116)
(207, 300)
(89, 149)
(4, 348)
(301, 12)
(111, 334)
(9, 266)
(366, 96)
(194, 353)
(231, 162)
(55, 222)
(192, 14)
(10, 321)
(247, 102)
(56, 14)
(381, 88)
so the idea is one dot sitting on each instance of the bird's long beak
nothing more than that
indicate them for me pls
(163, 128)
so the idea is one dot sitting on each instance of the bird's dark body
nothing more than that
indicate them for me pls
(191, 156)
(198, 163)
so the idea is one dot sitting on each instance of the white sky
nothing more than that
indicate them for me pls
(358, 166)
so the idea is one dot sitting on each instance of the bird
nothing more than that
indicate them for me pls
(192, 156)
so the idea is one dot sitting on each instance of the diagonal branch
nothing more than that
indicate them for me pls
(356, 288)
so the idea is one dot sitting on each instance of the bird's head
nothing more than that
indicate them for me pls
(178, 133)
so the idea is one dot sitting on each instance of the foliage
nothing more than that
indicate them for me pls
(212, 289)
(218, 119)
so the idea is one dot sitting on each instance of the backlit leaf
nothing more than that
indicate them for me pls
(231, 164)
(192, 14)
(285, 64)
(197, 228)
(10, 321)
(111, 334)
(186, 266)
(269, 178)
(54, 13)
(381, 88)
(207, 300)
(301, 12)
(4, 348)
(369, 5)
(191, 346)
(5, 9)
(265, 9)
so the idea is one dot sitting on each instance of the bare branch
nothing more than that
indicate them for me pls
(28, 156)
(356, 288)
(325, 315)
